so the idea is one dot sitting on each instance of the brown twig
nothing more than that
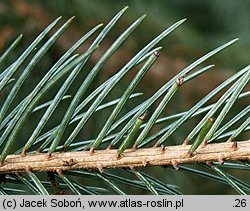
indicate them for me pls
(108, 159)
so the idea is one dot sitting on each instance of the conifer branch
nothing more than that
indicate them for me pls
(101, 159)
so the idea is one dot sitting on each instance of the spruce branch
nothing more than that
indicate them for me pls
(119, 129)
(101, 159)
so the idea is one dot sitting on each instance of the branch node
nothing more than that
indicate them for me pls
(49, 155)
(118, 156)
(100, 168)
(17, 174)
(69, 162)
(52, 180)
(109, 147)
(185, 142)
(180, 81)
(162, 148)
(65, 148)
(145, 162)
(189, 154)
(91, 151)
(235, 146)
(230, 139)
(204, 143)
(59, 172)
(157, 53)
(27, 169)
(132, 168)
(221, 159)
(134, 148)
(23, 154)
(175, 164)
(156, 145)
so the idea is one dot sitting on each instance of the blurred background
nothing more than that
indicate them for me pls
(209, 24)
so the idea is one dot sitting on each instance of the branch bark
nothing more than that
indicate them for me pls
(100, 159)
